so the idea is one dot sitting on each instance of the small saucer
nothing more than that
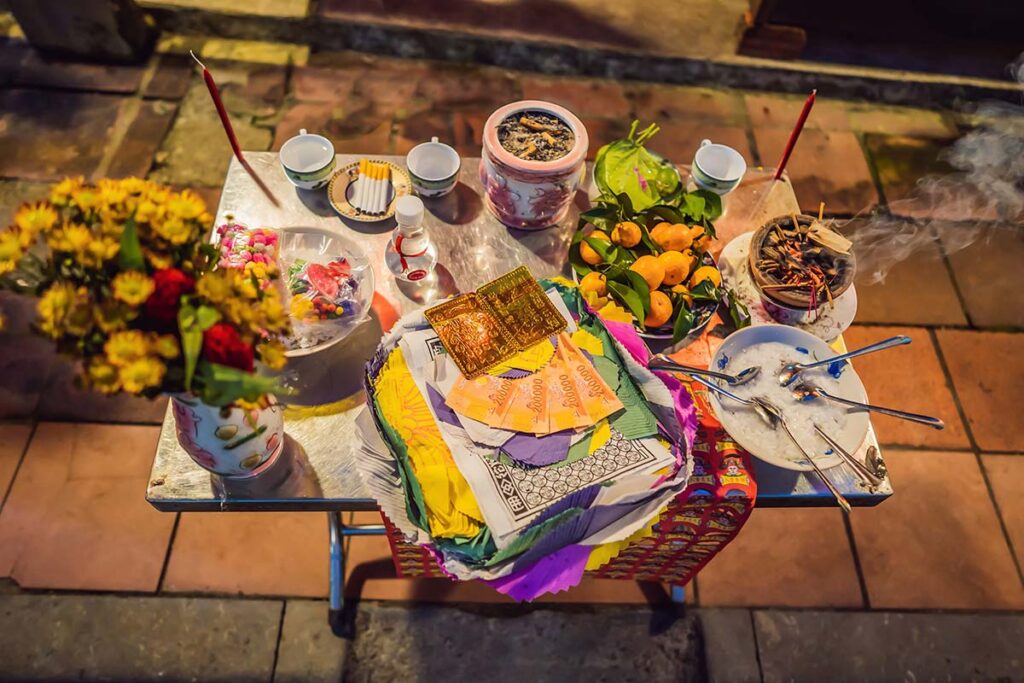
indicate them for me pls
(343, 184)
(831, 322)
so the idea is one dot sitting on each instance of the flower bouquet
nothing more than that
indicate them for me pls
(129, 288)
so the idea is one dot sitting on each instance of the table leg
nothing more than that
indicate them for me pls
(336, 529)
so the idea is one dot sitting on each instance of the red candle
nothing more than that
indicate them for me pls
(791, 143)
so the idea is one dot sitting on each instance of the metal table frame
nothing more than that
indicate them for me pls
(316, 470)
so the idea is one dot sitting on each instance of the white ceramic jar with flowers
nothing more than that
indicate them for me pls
(533, 160)
(128, 287)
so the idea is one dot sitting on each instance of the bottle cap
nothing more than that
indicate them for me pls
(409, 210)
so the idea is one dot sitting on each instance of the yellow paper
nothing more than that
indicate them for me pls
(602, 435)
(606, 552)
(588, 342)
(452, 509)
(530, 360)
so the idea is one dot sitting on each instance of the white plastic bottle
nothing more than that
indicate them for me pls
(410, 255)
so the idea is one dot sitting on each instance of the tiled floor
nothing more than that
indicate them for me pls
(73, 514)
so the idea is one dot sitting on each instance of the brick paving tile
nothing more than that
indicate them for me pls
(988, 272)
(308, 651)
(665, 103)
(917, 290)
(782, 111)
(600, 132)
(370, 574)
(375, 140)
(872, 118)
(1006, 476)
(390, 90)
(936, 544)
(902, 163)
(886, 646)
(420, 128)
(196, 151)
(313, 116)
(210, 195)
(13, 439)
(36, 71)
(49, 135)
(251, 90)
(171, 78)
(267, 8)
(145, 134)
(254, 51)
(252, 553)
(802, 556)
(15, 192)
(583, 97)
(730, 651)
(459, 86)
(986, 371)
(439, 643)
(116, 638)
(679, 140)
(909, 378)
(826, 166)
(468, 129)
(324, 84)
(75, 517)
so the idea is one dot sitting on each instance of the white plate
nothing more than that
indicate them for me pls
(848, 385)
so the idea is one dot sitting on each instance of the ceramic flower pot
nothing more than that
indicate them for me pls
(530, 194)
(230, 441)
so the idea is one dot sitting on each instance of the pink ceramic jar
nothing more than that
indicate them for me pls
(530, 194)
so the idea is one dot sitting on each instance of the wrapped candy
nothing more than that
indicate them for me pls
(254, 250)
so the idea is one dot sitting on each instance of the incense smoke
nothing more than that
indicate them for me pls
(985, 193)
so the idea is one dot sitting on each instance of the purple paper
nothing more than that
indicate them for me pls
(583, 498)
(538, 451)
(557, 572)
(515, 373)
(444, 413)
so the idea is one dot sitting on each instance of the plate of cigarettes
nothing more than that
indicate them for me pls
(366, 190)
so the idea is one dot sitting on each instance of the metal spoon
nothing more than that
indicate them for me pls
(662, 362)
(728, 394)
(867, 475)
(791, 370)
(776, 416)
(807, 391)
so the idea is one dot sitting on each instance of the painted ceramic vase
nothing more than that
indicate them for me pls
(524, 194)
(229, 441)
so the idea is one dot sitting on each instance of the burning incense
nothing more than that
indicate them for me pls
(230, 131)
(791, 143)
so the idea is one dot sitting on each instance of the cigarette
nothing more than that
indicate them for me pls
(360, 193)
(383, 206)
(371, 200)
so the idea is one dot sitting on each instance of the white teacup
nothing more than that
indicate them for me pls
(717, 168)
(433, 168)
(308, 160)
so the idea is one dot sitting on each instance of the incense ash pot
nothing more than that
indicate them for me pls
(531, 186)
(781, 251)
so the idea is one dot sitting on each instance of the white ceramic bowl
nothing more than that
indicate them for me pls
(851, 433)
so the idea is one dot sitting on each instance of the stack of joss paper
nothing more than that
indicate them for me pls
(520, 438)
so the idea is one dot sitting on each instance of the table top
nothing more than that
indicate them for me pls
(317, 471)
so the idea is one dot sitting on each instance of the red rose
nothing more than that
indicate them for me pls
(222, 345)
(170, 284)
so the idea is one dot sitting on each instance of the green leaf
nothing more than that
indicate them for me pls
(666, 213)
(712, 204)
(693, 206)
(630, 299)
(626, 167)
(738, 312)
(606, 250)
(683, 324)
(131, 257)
(222, 385)
(192, 322)
(706, 291)
(639, 285)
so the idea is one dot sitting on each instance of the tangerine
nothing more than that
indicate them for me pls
(626, 233)
(587, 252)
(677, 266)
(706, 273)
(650, 269)
(661, 310)
(594, 282)
(671, 237)
(698, 237)
(687, 297)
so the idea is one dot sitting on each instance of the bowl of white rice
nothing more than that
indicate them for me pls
(771, 347)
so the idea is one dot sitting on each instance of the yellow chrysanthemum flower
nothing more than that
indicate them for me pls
(186, 205)
(111, 192)
(257, 269)
(103, 377)
(79, 320)
(124, 348)
(132, 287)
(165, 345)
(111, 316)
(142, 374)
(10, 251)
(272, 354)
(133, 185)
(32, 219)
(158, 260)
(275, 318)
(217, 286)
(86, 198)
(301, 307)
(53, 308)
(174, 229)
(148, 212)
(74, 238)
(60, 194)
